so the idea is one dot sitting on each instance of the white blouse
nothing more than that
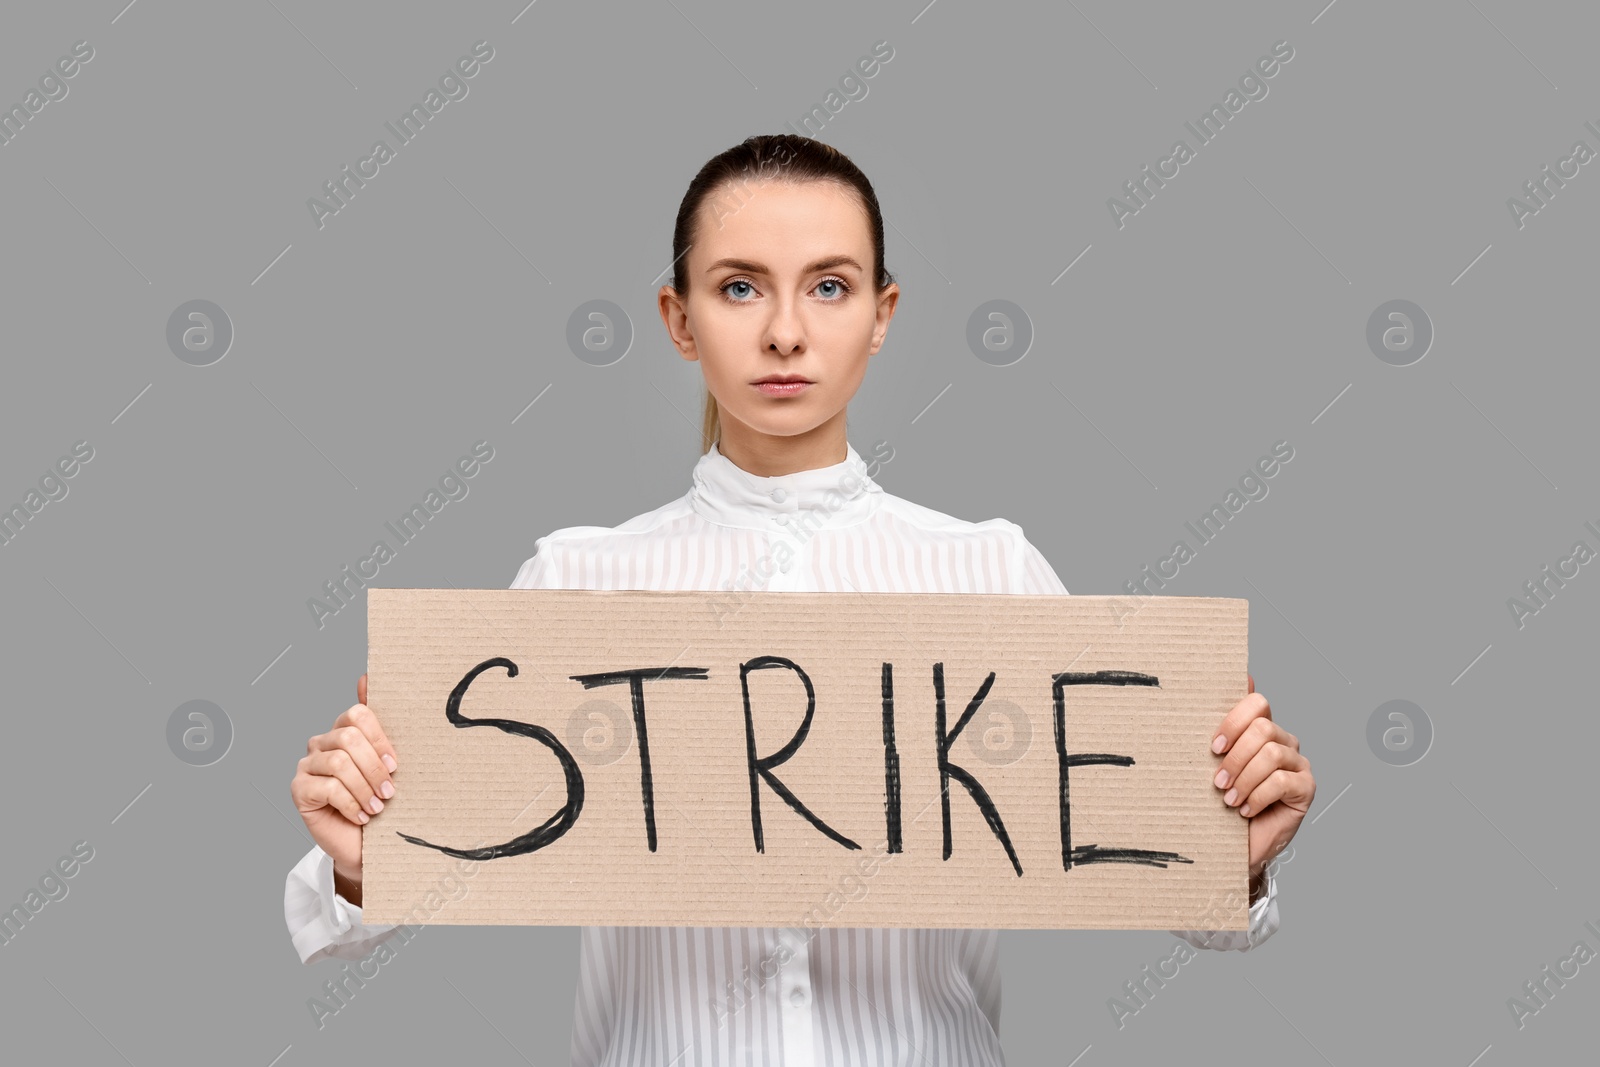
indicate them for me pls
(745, 995)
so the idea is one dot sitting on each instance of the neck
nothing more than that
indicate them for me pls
(774, 455)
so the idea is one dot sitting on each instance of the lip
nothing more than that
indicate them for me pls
(782, 378)
(781, 387)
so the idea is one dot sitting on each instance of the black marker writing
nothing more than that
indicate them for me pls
(1094, 853)
(763, 766)
(891, 763)
(947, 770)
(553, 827)
(635, 680)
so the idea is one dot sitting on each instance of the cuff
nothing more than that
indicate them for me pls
(1264, 922)
(321, 922)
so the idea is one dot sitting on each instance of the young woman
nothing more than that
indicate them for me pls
(780, 293)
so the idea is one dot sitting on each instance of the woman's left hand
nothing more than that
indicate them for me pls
(1264, 777)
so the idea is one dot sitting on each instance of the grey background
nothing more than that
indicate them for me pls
(1228, 314)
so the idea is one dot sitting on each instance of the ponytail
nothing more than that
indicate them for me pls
(711, 428)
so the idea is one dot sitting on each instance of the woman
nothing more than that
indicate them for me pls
(780, 293)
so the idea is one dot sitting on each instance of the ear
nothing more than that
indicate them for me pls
(675, 317)
(887, 301)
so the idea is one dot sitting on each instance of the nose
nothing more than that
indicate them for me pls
(785, 332)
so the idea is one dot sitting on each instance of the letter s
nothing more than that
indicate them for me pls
(83, 50)
(78, 850)
(78, 450)
(879, 46)
(1278, 50)
(1278, 450)
(479, 448)
(483, 50)
(552, 828)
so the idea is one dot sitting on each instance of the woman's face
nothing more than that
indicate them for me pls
(780, 283)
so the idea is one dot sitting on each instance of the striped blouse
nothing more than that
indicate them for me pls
(747, 995)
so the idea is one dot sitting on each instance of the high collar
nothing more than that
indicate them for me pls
(840, 494)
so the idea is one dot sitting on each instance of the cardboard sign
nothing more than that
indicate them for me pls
(630, 757)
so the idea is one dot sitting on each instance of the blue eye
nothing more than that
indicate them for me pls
(840, 285)
(840, 290)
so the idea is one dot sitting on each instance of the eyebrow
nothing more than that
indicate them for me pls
(827, 263)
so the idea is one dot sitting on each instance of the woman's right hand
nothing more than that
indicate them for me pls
(343, 772)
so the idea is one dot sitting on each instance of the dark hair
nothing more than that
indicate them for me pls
(769, 157)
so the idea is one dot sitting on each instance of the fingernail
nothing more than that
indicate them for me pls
(1218, 742)
(1245, 810)
(388, 761)
(1221, 780)
(364, 817)
(1230, 796)
(386, 790)
(376, 805)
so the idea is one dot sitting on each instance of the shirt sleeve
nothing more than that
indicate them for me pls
(539, 571)
(1034, 573)
(322, 923)
(1263, 924)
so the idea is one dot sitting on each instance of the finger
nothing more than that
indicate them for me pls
(1253, 706)
(351, 739)
(361, 689)
(365, 719)
(1248, 677)
(1272, 756)
(1258, 733)
(338, 763)
(1282, 784)
(312, 791)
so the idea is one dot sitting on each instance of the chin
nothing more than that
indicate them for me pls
(793, 425)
